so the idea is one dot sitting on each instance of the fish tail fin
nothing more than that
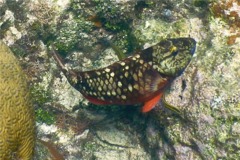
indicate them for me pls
(58, 59)
(71, 75)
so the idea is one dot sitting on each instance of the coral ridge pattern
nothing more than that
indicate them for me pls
(17, 131)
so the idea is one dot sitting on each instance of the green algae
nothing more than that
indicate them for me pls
(40, 95)
(71, 33)
(5, 27)
(43, 116)
(40, 98)
(201, 3)
(112, 18)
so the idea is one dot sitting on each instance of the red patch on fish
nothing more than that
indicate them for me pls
(151, 103)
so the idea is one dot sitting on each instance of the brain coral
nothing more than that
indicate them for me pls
(17, 131)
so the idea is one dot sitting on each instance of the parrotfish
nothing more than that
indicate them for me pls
(140, 78)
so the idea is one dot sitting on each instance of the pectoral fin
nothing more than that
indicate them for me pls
(150, 104)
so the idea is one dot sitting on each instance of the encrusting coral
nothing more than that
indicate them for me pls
(17, 124)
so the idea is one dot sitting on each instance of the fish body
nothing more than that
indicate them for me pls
(141, 78)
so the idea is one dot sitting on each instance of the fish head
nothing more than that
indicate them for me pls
(171, 56)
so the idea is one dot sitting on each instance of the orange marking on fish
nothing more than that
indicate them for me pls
(151, 103)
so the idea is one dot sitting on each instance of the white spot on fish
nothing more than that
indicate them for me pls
(113, 93)
(111, 80)
(106, 81)
(135, 77)
(126, 74)
(155, 66)
(109, 86)
(122, 63)
(145, 64)
(114, 85)
(101, 83)
(140, 73)
(136, 86)
(118, 91)
(105, 87)
(119, 84)
(112, 74)
(86, 75)
(130, 87)
(107, 70)
(123, 97)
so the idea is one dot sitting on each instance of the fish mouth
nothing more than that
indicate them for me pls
(193, 44)
(190, 43)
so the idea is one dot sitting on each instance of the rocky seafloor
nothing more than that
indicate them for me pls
(87, 33)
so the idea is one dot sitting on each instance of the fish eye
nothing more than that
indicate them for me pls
(174, 51)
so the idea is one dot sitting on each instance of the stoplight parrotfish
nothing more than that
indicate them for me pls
(140, 78)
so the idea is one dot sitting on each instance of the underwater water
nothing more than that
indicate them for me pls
(120, 79)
